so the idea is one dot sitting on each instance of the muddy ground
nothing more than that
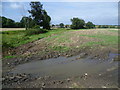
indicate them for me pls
(39, 50)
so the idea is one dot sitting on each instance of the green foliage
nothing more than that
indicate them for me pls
(77, 23)
(36, 27)
(46, 20)
(7, 23)
(27, 22)
(35, 31)
(61, 25)
(90, 25)
(107, 26)
(18, 25)
(39, 15)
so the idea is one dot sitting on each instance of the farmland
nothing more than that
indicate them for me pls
(61, 48)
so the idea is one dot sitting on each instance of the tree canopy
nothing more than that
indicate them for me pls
(61, 25)
(90, 25)
(39, 15)
(77, 23)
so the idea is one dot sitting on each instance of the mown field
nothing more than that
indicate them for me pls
(61, 40)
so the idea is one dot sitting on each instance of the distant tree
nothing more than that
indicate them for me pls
(10, 23)
(66, 26)
(77, 23)
(104, 26)
(17, 24)
(27, 22)
(23, 22)
(53, 25)
(4, 20)
(61, 25)
(30, 22)
(39, 15)
(99, 26)
(90, 25)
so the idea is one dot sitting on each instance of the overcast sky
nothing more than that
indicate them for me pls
(61, 12)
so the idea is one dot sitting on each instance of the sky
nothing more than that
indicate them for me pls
(100, 13)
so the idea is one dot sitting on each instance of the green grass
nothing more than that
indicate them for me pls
(107, 40)
(7, 57)
(113, 31)
(13, 39)
(17, 38)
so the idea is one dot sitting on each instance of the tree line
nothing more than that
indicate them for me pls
(39, 18)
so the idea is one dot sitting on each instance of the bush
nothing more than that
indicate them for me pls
(35, 31)
(90, 25)
(77, 23)
(36, 27)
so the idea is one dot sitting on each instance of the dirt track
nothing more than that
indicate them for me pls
(11, 29)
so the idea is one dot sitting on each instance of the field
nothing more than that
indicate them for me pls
(62, 39)
(95, 44)
(11, 29)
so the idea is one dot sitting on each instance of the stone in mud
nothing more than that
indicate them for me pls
(43, 85)
(68, 80)
(84, 76)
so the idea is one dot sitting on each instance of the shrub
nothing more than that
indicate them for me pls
(35, 31)
(90, 25)
(77, 23)
(36, 27)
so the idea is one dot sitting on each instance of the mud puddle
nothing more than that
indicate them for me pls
(63, 67)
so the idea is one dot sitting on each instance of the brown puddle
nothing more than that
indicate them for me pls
(63, 67)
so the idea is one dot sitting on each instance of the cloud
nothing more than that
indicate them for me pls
(15, 5)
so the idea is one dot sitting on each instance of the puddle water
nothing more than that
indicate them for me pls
(62, 67)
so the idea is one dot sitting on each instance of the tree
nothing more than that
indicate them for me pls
(53, 25)
(27, 22)
(4, 20)
(23, 22)
(66, 26)
(17, 24)
(90, 25)
(10, 23)
(7, 23)
(46, 20)
(77, 23)
(61, 25)
(39, 15)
